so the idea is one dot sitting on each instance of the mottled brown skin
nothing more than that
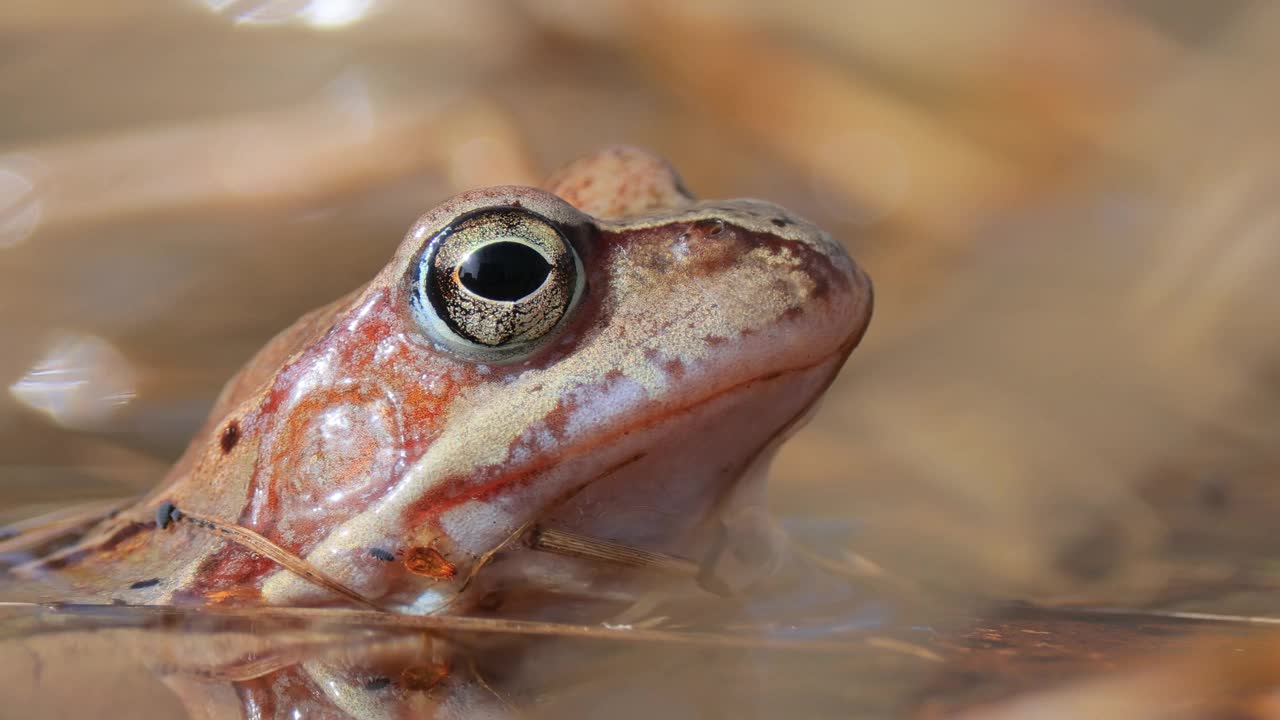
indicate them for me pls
(355, 441)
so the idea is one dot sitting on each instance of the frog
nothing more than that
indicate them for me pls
(605, 361)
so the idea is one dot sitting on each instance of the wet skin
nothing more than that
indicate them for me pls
(606, 356)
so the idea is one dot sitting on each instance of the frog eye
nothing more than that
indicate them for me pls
(495, 284)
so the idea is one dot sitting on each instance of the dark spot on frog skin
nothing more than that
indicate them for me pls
(780, 222)
(380, 554)
(167, 513)
(230, 436)
(145, 584)
(377, 683)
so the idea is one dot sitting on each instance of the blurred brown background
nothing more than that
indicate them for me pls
(1069, 391)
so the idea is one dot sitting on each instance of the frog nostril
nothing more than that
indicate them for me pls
(711, 228)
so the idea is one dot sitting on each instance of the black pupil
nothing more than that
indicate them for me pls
(504, 271)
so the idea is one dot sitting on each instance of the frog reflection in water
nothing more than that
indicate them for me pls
(608, 358)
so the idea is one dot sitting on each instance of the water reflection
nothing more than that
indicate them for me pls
(810, 642)
(148, 662)
(319, 14)
(20, 208)
(79, 383)
(781, 649)
(334, 663)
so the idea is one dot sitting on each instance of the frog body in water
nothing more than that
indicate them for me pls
(607, 356)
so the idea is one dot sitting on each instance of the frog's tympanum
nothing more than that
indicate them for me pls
(607, 360)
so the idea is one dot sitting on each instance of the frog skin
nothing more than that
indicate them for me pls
(399, 437)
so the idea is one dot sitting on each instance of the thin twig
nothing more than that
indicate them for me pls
(268, 549)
